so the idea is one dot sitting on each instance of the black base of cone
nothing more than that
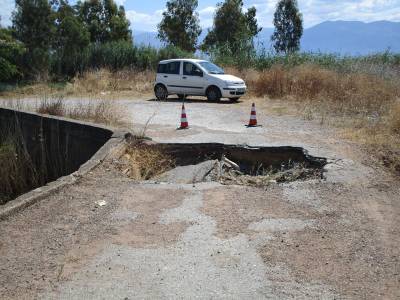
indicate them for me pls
(251, 126)
(182, 128)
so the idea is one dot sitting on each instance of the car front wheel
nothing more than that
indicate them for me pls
(161, 92)
(213, 94)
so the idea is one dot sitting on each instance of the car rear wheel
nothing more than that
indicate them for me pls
(161, 92)
(213, 94)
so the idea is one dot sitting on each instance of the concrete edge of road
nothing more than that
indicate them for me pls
(14, 206)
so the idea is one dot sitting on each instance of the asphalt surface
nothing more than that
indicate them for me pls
(330, 239)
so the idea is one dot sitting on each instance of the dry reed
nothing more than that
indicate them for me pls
(106, 112)
(18, 174)
(143, 162)
(104, 81)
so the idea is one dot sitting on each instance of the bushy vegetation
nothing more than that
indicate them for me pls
(385, 65)
(355, 93)
(115, 56)
(11, 53)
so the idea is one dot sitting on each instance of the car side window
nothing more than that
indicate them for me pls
(169, 68)
(161, 68)
(191, 69)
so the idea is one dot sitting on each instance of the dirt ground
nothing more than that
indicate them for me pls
(322, 239)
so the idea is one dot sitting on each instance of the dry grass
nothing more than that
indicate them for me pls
(39, 89)
(105, 112)
(54, 107)
(127, 82)
(93, 83)
(143, 162)
(365, 107)
(18, 174)
(394, 118)
(351, 92)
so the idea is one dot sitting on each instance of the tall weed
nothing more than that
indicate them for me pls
(18, 174)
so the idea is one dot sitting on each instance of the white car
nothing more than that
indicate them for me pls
(194, 77)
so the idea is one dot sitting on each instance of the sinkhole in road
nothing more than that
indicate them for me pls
(227, 164)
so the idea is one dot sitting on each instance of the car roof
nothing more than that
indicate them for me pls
(182, 59)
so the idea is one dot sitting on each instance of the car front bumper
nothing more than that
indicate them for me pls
(234, 91)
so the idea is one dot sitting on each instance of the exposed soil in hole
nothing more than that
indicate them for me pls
(228, 164)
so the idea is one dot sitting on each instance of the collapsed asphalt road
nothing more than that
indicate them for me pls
(110, 237)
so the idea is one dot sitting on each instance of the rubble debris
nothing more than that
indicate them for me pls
(227, 164)
(101, 203)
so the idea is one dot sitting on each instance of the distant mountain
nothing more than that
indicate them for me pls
(344, 37)
(146, 38)
(348, 37)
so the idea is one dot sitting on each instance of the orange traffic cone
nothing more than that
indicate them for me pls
(253, 117)
(184, 121)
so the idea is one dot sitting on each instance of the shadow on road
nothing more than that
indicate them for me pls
(195, 100)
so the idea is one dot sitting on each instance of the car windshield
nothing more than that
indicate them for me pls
(211, 68)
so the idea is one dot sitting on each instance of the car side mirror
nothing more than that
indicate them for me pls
(198, 73)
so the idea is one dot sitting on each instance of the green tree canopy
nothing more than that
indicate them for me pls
(180, 24)
(71, 39)
(288, 22)
(11, 52)
(105, 21)
(33, 25)
(232, 27)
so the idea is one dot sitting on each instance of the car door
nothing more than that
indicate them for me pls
(192, 79)
(171, 77)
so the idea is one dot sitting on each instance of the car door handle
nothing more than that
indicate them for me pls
(184, 77)
(165, 76)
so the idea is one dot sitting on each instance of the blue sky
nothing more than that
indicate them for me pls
(146, 14)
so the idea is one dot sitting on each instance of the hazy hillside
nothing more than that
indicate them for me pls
(346, 37)
(146, 38)
(353, 37)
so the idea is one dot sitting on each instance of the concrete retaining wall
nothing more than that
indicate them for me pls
(56, 146)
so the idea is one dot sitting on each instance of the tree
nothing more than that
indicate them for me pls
(71, 40)
(232, 28)
(33, 25)
(288, 23)
(105, 21)
(180, 24)
(11, 52)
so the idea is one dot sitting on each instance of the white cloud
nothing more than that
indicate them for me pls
(206, 16)
(7, 6)
(143, 21)
(208, 11)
